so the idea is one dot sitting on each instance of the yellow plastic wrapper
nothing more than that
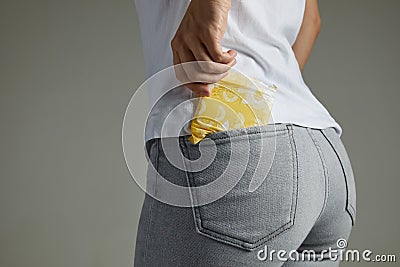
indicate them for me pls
(235, 102)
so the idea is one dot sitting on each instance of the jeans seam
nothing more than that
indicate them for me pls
(157, 163)
(349, 207)
(295, 169)
(188, 167)
(325, 169)
(152, 202)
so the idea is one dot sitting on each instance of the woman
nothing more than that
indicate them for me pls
(307, 200)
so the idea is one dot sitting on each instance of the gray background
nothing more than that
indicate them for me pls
(68, 70)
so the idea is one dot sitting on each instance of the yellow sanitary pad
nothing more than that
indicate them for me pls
(235, 102)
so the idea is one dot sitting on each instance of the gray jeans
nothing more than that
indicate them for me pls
(304, 207)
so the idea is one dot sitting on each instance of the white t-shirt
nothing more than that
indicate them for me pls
(262, 31)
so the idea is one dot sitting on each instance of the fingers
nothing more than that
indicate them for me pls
(199, 89)
(199, 51)
(215, 50)
(204, 89)
(232, 63)
(195, 67)
(189, 70)
(232, 53)
(180, 73)
(206, 64)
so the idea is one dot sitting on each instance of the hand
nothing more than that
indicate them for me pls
(198, 39)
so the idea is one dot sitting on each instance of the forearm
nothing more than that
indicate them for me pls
(223, 2)
(308, 33)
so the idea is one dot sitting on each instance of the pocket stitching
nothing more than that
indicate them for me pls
(236, 136)
(242, 243)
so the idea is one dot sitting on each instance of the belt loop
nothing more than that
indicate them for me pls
(289, 126)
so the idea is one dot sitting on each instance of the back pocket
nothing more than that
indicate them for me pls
(242, 217)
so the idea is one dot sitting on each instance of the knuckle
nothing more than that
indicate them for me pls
(176, 43)
(173, 42)
(219, 57)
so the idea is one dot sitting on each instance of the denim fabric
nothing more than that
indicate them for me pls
(305, 200)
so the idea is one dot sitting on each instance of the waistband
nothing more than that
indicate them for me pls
(270, 128)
